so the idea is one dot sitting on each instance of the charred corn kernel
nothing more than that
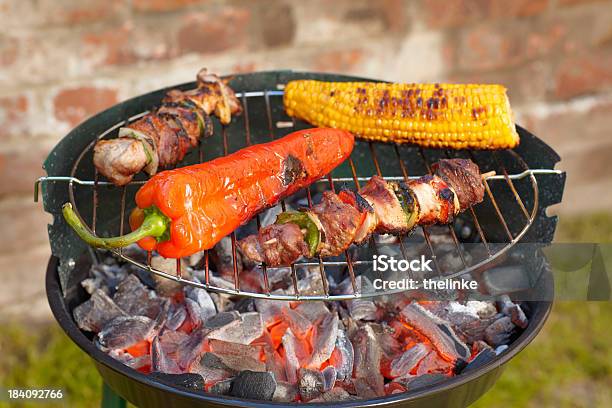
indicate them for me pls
(430, 115)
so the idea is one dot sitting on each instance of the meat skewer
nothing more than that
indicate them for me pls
(161, 138)
(384, 207)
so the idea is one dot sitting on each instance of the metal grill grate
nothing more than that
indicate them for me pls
(392, 162)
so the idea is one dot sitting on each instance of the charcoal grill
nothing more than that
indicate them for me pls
(525, 184)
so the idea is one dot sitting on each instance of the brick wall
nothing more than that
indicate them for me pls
(63, 60)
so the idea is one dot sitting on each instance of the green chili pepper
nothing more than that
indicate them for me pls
(409, 203)
(303, 220)
(155, 224)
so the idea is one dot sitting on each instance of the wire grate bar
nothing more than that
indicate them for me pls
(327, 182)
(451, 230)
(423, 228)
(476, 221)
(510, 183)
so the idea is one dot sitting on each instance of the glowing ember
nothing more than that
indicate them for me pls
(291, 351)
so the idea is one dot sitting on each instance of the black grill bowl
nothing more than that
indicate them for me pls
(142, 391)
(64, 274)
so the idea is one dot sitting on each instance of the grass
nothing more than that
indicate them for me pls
(568, 365)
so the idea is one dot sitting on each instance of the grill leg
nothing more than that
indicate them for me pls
(110, 399)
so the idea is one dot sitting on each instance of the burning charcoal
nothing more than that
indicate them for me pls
(285, 392)
(432, 363)
(311, 284)
(499, 331)
(277, 277)
(394, 388)
(416, 382)
(479, 346)
(513, 311)
(334, 395)
(234, 349)
(187, 380)
(95, 313)
(274, 363)
(299, 324)
(342, 357)
(222, 301)
(360, 309)
(325, 335)
(191, 349)
(270, 310)
(176, 316)
(212, 369)
(245, 305)
(164, 286)
(106, 277)
(135, 299)
(222, 256)
(222, 387)
(160, 359)
(311, 384)
(248, 328)
(125, 331)
(140, 363)
(390, 346)
(221, 283)
(363, 388)
(406, 362)
(194, 312)
(313, 311)
(203, 299)
(367, 361)
(221, 319)
(254, 385)
(437, 331)
(480, 360)
(468, 320)
(295, 353)
(329, 378)
(241, 363)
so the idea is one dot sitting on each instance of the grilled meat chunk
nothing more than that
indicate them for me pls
(463, 176)
(339, 221)
(276, 244)
(388, 209)
(349, 217)
(119, 159)
(168, 133)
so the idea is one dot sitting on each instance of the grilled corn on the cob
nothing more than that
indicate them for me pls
(454, 116)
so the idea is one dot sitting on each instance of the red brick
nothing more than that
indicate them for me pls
(454, 13)
(338, 60)
(581, 137)
(20, 168)
(214, 32)
(43, 13)
(114, 44)
(583, 74)
(8, 51)
(526, 83)
(75, 104)
(13, 115)
(395, 15)
(578, 2)
(162, 5)
(83, 11)
(277, 25)
(491, 46)
(23, 222)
